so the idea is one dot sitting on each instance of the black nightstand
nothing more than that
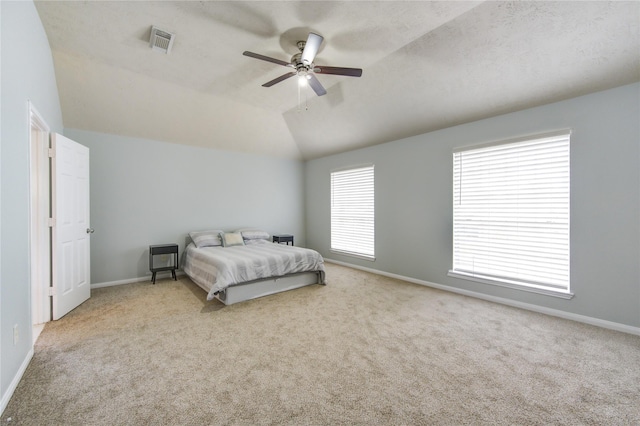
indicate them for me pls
(283, 238)
(163, 249)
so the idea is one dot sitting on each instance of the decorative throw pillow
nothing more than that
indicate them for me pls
(231, 239)
(206, 238)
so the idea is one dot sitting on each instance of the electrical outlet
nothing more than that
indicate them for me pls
(16, 334)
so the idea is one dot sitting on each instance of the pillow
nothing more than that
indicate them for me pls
(232, 239)
(206, 238)
(253, 234)
(254, 242)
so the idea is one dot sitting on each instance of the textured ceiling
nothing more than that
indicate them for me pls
(427, 65)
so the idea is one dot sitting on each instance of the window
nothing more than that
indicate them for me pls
(511, 214)
(352, 212)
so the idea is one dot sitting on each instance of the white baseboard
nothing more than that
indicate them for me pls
(535, 308)
(14, 383)
(134, 280)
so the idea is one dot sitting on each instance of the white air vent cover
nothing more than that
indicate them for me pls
(161, 40)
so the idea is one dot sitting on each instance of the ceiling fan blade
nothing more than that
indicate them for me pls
(316, 86)
(279, 79)
(265, 58)
(311, 48)
(351, 72)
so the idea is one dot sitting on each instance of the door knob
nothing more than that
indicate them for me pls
(90, 230)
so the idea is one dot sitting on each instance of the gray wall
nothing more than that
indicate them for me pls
(148, 192)
(27, 74)
(414, 202)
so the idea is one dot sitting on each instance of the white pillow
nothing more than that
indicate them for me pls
(209, 238)
(253, 234)
(254, 242)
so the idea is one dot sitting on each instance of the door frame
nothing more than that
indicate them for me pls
(40, 212)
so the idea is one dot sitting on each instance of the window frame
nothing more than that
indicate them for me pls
(486, 277)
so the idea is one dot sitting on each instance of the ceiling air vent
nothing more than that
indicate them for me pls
(161, 40)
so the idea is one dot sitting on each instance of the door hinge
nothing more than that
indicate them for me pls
(51, 152)
(51, 222)
(52, 291)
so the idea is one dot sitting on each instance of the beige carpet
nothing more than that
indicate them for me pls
(364, 349)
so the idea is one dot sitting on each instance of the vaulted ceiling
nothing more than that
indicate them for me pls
(427, 65)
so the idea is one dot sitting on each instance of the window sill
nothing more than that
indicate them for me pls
(359, 256)
(509, 284)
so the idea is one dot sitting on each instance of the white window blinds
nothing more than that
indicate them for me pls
(352, 211)
(511, 213)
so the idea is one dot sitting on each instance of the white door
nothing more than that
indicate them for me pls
(71, 226)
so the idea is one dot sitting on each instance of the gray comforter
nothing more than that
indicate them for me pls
(216, 268)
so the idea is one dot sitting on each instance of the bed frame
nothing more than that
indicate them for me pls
(254, 289)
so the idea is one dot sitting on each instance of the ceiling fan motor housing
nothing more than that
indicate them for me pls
(296, 62)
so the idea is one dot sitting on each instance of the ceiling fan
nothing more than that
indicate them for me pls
(304, 67)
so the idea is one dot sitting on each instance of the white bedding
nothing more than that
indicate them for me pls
(216, 268)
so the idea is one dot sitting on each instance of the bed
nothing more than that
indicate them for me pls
(243, 265)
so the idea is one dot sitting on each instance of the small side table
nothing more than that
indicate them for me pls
(283, 238)
(160, 249)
